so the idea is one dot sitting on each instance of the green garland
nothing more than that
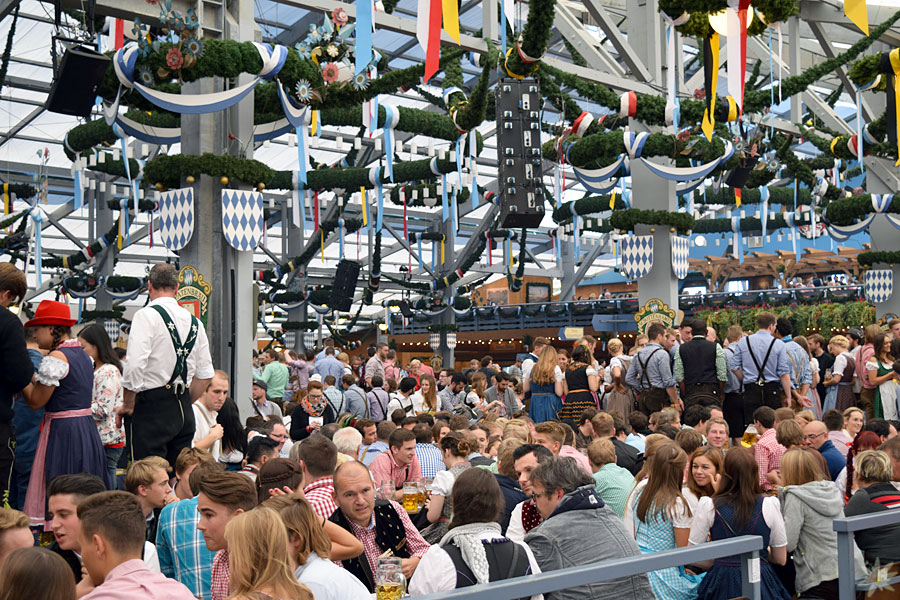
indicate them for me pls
(827, 318)
(7, 52)
(777, 195)
(698, 26)
(438, 327)
(116, 314)
(625, 220)
(419, 190)
(586, 206)
(534, 39)
(867, 259)
(300, 325)
(23, 191)
(76, 258)
(845, 211)
(123, 283)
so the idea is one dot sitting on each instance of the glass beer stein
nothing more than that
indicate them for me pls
(390, 584)
(411, 497)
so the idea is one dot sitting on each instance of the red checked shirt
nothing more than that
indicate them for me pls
(385, 468)
(221, 576)
(768, 455)
(320, 495)
(414, 540)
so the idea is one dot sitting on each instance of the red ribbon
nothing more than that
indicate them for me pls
(433, 52)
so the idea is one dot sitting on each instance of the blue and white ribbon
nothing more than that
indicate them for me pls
(299, 118)
(473, 167)
(595, 180)
(575, 233)
(634, 143)
(419, 249)
(391, 119)
(375, 180)
(77, 175)
(459, 163)
(341, 238)
(791, 223)
(673, 106)
(37, 217)
(764, 209)
(689, 173)
(297, 207)
(737, 249)
(365, 23)
(125, 59)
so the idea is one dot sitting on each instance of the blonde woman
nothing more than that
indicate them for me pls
(619, 397)
(345, 360)
(853, 421)
(309, 548)
(839, 384)
(546, 386)
(426, 397)
(258, 560)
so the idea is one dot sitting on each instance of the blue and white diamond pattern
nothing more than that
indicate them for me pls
(176, 218)
(637, 255)
(242, 219)
(681, 255)
(879, 285)
(112, 329)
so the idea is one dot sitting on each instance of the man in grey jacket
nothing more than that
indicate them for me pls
(502, 394)
(579, 529)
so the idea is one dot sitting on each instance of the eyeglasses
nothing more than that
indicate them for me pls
(812, 436)
(319, 397)
(535, 496)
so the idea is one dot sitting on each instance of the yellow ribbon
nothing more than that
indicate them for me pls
(709, 120)
(450, 11)
(315, 122)
(612, 200)
(732, 109)
(65, 262)
(322, 242)
(362, 191)
(6, 207)
(506, 66)
(833, 142)
(442, 249)
(895, 65)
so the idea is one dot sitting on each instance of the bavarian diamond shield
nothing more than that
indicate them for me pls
(637, 255)
(879, 285)
(681, 256)
(242, 219)
(176, 218)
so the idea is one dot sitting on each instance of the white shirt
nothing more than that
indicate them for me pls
(437, 573)
(151, 356)
(407, 404)
(327, 581)
(151, 558)
(629, 506)
(203, 421)
(771, 512)
(516, 531)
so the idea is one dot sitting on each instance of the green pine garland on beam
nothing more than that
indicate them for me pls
(867, 259)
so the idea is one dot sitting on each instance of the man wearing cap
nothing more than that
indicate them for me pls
(168, 367)
(261, 405)
(17, 367)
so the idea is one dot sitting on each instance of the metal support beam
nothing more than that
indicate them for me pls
(405, 244)
(573, 30)
(34, 114)
(850, 88)
(794, 64)
(568, 288)
(618, 40)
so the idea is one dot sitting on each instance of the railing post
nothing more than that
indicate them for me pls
(750, 575)
(846, 567)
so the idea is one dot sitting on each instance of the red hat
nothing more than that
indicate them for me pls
(50, 312)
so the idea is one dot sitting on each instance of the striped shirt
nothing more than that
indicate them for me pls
(430, 459)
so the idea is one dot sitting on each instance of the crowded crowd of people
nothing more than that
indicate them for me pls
(358, 474)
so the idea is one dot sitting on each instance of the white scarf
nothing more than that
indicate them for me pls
(469, 542)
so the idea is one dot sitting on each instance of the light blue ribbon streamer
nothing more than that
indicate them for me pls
(503, 28)
(391, 118)
(363, 35)
(472, 143)
(38, 220)
(459, 162)
(789, 219)
(738, 239)
(445, 203)
(375, 180)
(125, 160)
(419, 248)
(341, 238)
(123, 204)
(764, 196)
(771, 82)
(78, 200)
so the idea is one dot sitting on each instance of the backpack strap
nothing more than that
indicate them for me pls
(182, 351)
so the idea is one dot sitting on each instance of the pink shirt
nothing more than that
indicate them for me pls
(132, 579)
(384, 468)
(768, 456)
(581, 459)
(862, 373)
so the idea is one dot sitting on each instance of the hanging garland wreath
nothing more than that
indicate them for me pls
(867, 259)
(625, 220)
(768, 11)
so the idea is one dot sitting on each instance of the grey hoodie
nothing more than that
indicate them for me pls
(809, 512)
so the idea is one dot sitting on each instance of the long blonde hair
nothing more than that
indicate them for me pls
(302, 524)
(431, 400)
(258, 556)
(479, 384)
(543, 371)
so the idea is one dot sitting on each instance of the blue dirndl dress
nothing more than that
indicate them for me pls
(544, 402)
(657, 535)
(723, 581)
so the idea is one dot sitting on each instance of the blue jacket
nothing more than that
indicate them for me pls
(833, 458)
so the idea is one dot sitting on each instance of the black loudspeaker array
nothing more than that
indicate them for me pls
(521, 195)
(344, 286)
(76, 82)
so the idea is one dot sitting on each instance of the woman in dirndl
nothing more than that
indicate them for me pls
(63, 385)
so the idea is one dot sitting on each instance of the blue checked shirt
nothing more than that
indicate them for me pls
(430, 459)
(183, 555)
(799, 359)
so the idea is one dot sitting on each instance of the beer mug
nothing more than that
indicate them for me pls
(420, 489)
(390, 584)
(410, 497)
(387, 489)
(750, 437)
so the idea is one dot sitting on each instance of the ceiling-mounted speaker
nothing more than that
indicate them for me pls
(77, 82)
